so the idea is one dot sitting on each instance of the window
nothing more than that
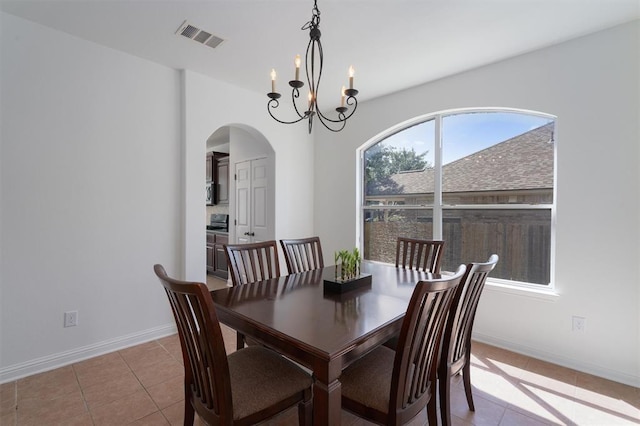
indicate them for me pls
(482, 180)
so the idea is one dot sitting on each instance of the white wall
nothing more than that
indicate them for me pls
(592, 85)
(102, 172)
(211, 104)
(89, 196)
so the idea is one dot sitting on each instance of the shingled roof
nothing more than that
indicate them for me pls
(522, 162)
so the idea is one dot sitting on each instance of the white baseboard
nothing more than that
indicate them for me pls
(584, 367)
(50, 362)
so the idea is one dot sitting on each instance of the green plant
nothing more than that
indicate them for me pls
(349, 262)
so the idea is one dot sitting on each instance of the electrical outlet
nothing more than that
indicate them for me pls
(578, 324)
(71, 319)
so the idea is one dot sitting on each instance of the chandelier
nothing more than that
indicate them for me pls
(313, 65)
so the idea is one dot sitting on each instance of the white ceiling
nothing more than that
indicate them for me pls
(393, 44)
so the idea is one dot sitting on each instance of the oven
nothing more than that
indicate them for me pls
(218, 222)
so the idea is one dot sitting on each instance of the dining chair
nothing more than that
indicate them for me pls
(244, 388)
(456, 347)
(391, 387)
(424, 255)
(302, 254)
(250, 263)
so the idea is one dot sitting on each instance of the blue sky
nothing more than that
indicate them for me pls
(466, 133)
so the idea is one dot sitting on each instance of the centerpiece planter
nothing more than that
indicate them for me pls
(347, 275)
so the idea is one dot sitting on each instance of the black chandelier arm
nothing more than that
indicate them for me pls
(324, 121)
(273, 104)
(342, 117)
(295, 94)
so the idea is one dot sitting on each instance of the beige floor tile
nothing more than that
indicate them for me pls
(546, 369)
(486, 413)
(124, 410)
(103, 372)
(97, 362)
(167, 393)
(111, 390)
(139, 351)
(61, 410)
(175, 414)
(456, 421)
(9, 418)
(606, 406)
(609, 388)
(144, 385)
(229, 336)
(155, 419)
(215, 283)
(492, 386)
(498, 360)
(49, 385)
(513, 418)
(8, 397)
(544, 403)
(155, 355)
(172, 345)
(159, 372)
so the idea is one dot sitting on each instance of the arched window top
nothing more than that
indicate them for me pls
(481, 179)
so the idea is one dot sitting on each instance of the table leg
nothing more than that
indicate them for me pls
(327, 394)
(327, 403)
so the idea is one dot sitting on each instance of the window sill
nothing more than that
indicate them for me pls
(548, 295)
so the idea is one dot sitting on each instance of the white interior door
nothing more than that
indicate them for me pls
(252, 191)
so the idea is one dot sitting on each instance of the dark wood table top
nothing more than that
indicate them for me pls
(322, 330)
(298, 307)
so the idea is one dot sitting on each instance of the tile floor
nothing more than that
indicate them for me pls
(142, 385)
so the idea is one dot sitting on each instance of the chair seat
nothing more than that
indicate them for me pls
(368, 380)
(261, 378)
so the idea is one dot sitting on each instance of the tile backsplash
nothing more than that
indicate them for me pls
(215, 209)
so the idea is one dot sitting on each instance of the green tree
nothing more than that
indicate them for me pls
(382, 161)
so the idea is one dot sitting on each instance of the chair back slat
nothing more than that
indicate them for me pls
(252, 262)
(463, 311)
(205, 360)
(416, 361)
(302, 254)
(424, 255)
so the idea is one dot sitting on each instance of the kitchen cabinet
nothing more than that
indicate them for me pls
(223, 180)
(216, 257)
(220, 264)
(209, 170)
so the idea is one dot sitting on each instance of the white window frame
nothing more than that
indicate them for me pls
(540, 291)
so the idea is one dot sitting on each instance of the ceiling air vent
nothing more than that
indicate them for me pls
(194, 33)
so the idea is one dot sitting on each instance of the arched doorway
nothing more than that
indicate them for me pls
(251, 205)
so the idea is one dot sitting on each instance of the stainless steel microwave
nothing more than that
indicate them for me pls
(211, 194)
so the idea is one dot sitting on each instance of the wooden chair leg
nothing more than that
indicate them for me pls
(466, 378)
(444, 391)
(239, 340)
(188, 413)
(432, 410)
(305, 412)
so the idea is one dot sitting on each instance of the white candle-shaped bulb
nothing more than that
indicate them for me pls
(342, 96)
(351, 73)
(297, 62)
(310, 100)
(273, 80)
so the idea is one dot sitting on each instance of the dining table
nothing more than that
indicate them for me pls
(321, 328)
